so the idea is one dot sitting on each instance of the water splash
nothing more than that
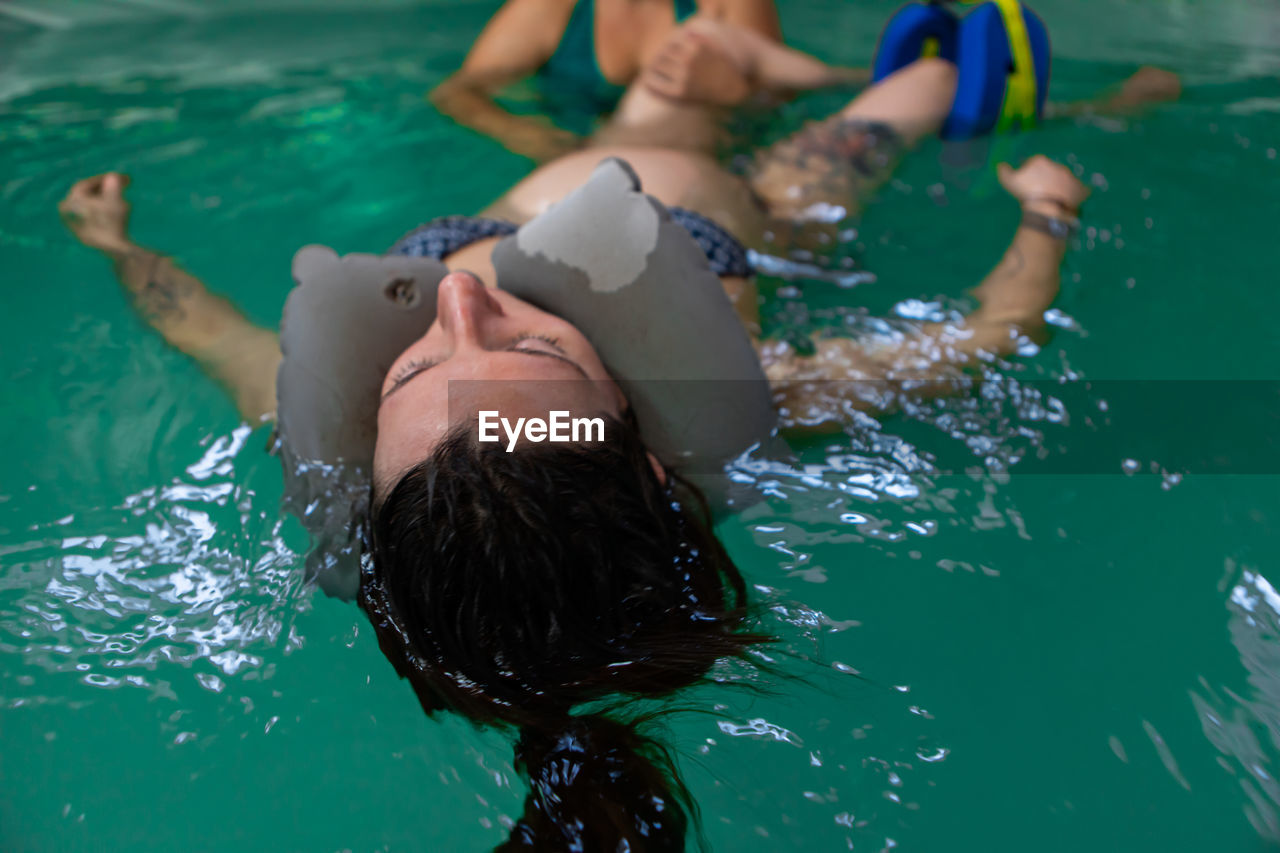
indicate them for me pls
(195, 576)
(1245, 726)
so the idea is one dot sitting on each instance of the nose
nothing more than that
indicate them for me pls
(463, 304)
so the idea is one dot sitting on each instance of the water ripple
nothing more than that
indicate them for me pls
(1245, 729)
(194, 575)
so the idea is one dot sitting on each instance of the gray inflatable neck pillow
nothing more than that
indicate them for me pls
(607, 258)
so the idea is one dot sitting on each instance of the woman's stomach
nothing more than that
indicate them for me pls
(676, 178)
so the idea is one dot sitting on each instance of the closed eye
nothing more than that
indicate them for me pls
(548, 354)
(419, 366)
(410, 370)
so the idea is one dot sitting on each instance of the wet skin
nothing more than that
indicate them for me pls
(512, 358)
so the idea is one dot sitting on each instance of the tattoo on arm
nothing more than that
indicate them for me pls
(241, 356)
(158, 288)
(162, 296)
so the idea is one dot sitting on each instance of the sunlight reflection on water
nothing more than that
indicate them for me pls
(192, 585)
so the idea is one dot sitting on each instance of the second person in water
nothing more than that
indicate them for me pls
(588, 50)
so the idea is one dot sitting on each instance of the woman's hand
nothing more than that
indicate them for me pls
(97, 214)
(695, 66)
(538, 140)
(1148, 85)
(1045, 186)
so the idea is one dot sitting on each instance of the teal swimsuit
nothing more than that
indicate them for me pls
(574, 65)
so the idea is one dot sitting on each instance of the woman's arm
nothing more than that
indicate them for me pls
(871, 375)
(241, 356)
(517, 41)
(1147, 85)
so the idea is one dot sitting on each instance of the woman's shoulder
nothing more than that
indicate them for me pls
(522, 33)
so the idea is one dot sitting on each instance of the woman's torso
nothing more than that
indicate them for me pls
(605, 43)
(693, 181)
(688, 179)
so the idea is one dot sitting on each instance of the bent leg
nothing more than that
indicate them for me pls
(821, 172)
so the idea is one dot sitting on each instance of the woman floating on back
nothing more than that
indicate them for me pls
(540, 588)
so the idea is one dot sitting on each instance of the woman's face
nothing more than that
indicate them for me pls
(514, 359)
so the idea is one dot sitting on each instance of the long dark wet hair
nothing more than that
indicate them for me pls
(512, 588)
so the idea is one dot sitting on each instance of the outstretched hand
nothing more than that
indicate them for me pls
(96, 212)
(1041, 180)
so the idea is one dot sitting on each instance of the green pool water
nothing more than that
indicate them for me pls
(1076, 652)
